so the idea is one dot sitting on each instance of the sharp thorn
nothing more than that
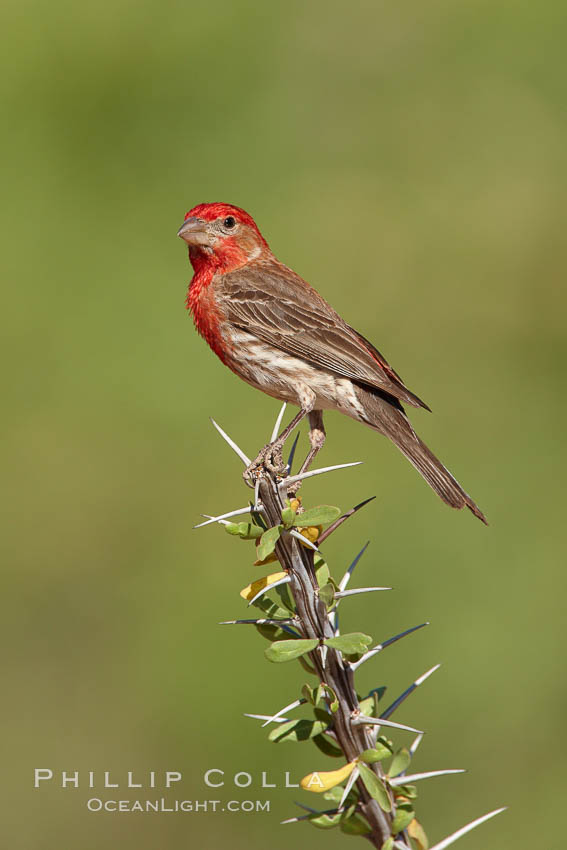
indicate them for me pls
(376, 649)
(415, 745)
(346, 578)
(351, 780)
(245, 460)
(463, 831)
(309, 474)
(268, 587)
(415, 777)
(398, 637)
(292, 452)
(362, 720)
(289, 707)
(212, 519)
(276, 430)
(343, 518)
(426, 675)
(260, 622)
(311, 812)
(391, 708)
(362, 504)
(306, 808)
(290, 631)
(265, 717)
(296, 819)
(220, 521)
(342, 593)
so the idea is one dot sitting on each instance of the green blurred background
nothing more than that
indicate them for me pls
(408, 160)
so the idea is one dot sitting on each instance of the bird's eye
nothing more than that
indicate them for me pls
(229, 222)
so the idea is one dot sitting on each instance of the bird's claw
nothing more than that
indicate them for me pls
(269, 459)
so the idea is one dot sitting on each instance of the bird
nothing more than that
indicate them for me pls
(277, 333)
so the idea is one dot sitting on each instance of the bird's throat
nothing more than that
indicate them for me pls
(203, 307)
(223, 258)
(201, 301)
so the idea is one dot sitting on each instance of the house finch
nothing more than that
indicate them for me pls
(276, 333)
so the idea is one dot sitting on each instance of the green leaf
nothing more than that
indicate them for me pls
(282, 590)
(321, 515)
(369, 705)
(355, 825)
(270, 608)
(326, 821)
(272, 633)
(402, 819)
(316, 695)
(322, 572)
(332, 700)
(409, 791)
(388, 844)
(399, 763)
(375, 787)
(307, 692)
(334, 794)
(321, 714)
(327, 595)
(268, 542)
(378, 753)
(313, 695)
(354, 643)
(329, 749)
(233, 528)
(287, 650)
(244, 530)
(376, 700)
(288, 517)
(297, 730)
(322, 694)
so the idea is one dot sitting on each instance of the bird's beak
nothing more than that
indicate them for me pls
(195, 232)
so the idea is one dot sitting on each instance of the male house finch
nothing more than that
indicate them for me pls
(276, 332)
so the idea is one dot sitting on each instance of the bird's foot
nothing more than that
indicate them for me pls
(269, 459)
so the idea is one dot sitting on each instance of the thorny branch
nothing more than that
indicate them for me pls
(384, 797)
(314, 622)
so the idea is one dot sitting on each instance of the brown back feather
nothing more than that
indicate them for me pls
(274, 304)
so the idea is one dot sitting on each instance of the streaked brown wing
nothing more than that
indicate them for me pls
(273, 303)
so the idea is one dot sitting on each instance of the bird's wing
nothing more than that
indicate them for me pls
(271, 302)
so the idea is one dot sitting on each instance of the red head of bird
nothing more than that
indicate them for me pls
(221, 237)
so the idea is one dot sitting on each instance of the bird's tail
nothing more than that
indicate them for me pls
(386, 415)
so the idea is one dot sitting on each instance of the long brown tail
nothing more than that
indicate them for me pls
(385, 414)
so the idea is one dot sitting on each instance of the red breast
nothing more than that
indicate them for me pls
(205, 310)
